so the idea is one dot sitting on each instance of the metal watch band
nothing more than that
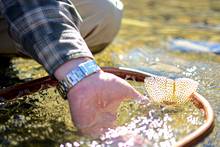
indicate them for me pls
(76, 75)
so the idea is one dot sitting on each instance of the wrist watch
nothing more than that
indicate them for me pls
(77, 74)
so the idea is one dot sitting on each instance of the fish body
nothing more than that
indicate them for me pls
(167, 91)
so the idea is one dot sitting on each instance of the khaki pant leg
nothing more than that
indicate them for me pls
(101, 21)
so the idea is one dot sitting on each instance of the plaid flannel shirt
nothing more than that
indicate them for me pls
(46, 30)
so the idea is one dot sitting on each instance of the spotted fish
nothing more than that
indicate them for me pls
(165, 91)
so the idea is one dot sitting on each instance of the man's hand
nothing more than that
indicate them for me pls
(95, 99)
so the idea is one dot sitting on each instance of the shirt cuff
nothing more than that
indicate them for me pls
(55, 49)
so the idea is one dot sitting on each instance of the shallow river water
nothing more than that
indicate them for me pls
(43, 119)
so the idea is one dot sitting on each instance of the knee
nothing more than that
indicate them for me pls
(111, 11)
(101, 21)
(109, 23)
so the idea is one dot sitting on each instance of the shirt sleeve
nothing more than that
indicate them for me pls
(47, 30)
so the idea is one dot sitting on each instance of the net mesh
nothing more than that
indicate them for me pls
(162, 90)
